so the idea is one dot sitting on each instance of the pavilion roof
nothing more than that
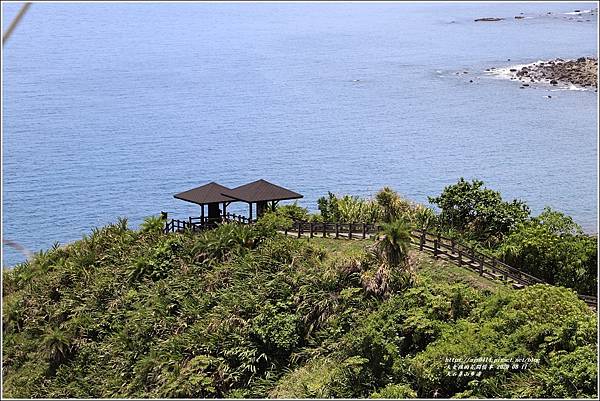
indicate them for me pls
(261, 191)
(209, 193)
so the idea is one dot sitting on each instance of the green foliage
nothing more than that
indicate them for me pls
(395, 391)
(293, 212)
(537, 322)
(386, 207)
(152, 224)
(553, 247)
(569, 375)
(347, 209)
(478, 212)
(392, 206)
(241, 311)
(425, 218)
(394, 243)
(270, 222)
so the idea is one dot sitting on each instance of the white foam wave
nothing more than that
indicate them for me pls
(578, 12)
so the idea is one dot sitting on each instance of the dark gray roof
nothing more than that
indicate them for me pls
(261, 191)
(209, 193)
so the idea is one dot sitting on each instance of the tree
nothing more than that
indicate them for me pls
(293, 212)
(394, 243)
(392, 205)
(479, 212)
(553, 247)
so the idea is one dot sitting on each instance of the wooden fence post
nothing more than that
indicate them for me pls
(460, 261)
(481, 265)
(349, 230)
(324, 230)
(453, 244)
(299, 229)
(337, 230)
(435, 248)
(422, 241)
(364, 230)
(311, 229)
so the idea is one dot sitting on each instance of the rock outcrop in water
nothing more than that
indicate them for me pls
(581, 72)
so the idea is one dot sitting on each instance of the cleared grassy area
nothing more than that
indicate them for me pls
(340, 247)
(429, 269)
(440, 271)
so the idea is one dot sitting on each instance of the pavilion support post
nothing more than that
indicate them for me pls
(202, 214)
(224, 211)
(250, 214)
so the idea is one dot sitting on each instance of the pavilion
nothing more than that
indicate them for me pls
(259, 192)
(210, 195)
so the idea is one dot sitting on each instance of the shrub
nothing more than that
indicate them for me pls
(479, 212)
(293, 212)
(395, 391)
(553, 247)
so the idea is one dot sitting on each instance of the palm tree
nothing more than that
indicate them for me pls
(57, 346)
(394, 243)
(394, 269)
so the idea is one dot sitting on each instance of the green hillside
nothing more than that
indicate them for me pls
(243, 311)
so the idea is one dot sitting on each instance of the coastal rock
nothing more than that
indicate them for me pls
(487, 19)
(580, 72)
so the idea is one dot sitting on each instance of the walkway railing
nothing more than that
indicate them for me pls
(441, 247)
(462, 255)
(335, 230)
(196, 224)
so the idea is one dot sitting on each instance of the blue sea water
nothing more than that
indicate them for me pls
(110, 109)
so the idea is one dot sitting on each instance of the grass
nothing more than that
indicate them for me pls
(440, 271)
(336, 248)
(429, 269)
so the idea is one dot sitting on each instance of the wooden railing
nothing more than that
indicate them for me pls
(449, 249)
(335, 230)
(235, 218)
(441, 247)
(197, 224)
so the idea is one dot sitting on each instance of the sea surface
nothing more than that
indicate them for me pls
(110, 109)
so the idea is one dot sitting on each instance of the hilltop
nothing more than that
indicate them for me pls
(242, 311)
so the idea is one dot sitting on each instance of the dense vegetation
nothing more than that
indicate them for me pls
(550, 246)
(245, 312)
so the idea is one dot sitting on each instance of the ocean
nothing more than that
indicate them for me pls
(109, 109)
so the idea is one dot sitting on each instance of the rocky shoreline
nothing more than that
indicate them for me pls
(582, 72)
